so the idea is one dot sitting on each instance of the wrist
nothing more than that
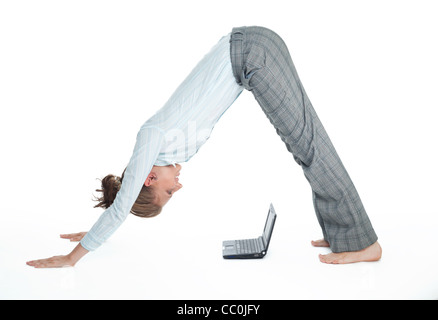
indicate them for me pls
(77, 253)
(71, 261)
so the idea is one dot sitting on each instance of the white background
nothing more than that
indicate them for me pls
(77, 80)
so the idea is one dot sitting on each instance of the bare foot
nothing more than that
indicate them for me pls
(371, 253)
(320, 243)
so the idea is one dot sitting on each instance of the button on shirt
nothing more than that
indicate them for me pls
(174, 134)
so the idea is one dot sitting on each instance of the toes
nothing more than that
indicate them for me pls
(330, 258)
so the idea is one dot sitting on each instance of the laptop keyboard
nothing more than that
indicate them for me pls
(248, 246)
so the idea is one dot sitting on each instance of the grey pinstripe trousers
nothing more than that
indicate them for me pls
(262, 64)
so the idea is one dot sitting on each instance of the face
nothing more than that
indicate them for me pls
(165, 181)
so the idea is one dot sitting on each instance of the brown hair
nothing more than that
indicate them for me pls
(145, 206)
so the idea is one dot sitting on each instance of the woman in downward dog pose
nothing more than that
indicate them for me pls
(256, 59)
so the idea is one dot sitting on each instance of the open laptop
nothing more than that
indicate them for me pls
(251, 248)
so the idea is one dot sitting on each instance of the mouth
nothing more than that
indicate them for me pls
(178, 173)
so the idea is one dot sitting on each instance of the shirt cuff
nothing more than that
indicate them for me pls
(89, 243)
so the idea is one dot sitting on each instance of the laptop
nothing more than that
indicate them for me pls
(251, 248)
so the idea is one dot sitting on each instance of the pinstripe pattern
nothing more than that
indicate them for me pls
(174, 134)
(145, 152)
(262, 64)
(190, 114)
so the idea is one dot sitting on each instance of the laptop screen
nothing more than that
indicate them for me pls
(269, 226)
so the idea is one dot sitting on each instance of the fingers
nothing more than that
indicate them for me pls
(70, 236)
(37, 263)
(73, 237)
(53, 262)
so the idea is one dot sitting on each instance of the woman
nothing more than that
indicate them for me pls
(256, 59)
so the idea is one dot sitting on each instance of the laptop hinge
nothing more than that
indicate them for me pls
(262, 243)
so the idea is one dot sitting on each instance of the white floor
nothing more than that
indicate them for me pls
(152, 261)
(78, 80)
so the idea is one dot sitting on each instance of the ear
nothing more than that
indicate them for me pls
(150, 180)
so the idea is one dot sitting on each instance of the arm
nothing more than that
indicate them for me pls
(144, 156)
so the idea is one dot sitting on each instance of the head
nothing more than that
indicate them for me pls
(159, 187)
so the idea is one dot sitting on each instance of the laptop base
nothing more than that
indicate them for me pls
(230, 250)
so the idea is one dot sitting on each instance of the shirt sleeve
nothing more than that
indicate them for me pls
(146, 150)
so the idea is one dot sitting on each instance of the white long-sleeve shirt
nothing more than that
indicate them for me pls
(174, 134)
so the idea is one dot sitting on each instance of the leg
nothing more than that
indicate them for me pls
(262, 64)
